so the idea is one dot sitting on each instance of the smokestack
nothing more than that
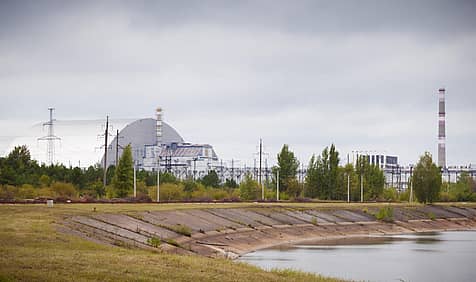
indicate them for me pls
(158, 129)
(441, 129)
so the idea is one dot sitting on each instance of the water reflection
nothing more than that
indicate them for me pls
(443, 256)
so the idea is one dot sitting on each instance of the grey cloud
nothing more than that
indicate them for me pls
(361, 74)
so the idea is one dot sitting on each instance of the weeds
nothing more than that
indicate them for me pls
(385, 214)
(183, 230)
(314, 221)
(154, 242)
(172, 242)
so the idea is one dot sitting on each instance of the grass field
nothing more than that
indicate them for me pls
(32, 249)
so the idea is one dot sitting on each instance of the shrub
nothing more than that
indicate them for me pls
(249, 189)
(218, 194)
(390, 194)
(154, 242)
(64, 190)
(172, 242)
(168, 192)
(26, 191)
(182, 229)
(385, 214)
(8, 192)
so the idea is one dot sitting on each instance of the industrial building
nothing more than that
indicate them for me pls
(157, 145)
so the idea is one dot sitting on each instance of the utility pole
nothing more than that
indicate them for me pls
(232, 170)
(361, 185)
(260, 159)
(411, 184)
(348, 181)
(135, 180)
(106, 134)
(118, 146)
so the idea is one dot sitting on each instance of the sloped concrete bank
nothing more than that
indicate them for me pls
(231, 232)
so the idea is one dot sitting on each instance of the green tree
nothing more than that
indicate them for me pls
(124, 174)
(249, 188)
(211, 179)
(462, 190)
(312, 178)
(288, 166)
(230, 183)
(322, 179)
(372, 177)
(333, 172)
(426, 179)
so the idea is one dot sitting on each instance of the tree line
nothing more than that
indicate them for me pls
(326, 179)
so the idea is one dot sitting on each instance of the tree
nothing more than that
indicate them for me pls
(333, 172)
(312, 178)
(287, 166)
(124, 174)
(230, 183)
(372, 178)
(211, 179)
(462, 190)
(322, 177)
(426, 179)
(249, 189)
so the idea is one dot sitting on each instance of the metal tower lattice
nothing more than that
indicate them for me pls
(50, 138)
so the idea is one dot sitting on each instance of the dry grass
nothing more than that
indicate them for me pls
(32, 249)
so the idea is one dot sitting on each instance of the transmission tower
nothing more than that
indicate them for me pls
(50, 138)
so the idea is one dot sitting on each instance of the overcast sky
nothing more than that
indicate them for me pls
(361, 74)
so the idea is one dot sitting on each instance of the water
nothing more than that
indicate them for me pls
(445, 256)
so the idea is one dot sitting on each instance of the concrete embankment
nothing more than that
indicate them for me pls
(231, 232)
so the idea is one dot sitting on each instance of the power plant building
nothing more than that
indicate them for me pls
(157, 145)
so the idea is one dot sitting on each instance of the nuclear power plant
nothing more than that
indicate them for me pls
(158, 146)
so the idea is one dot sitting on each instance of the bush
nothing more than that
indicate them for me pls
(168, 192)
(218, 194)
(405, 196)
(154, 242)
(385, 214)
(182, 229)
(46, 192)
(26, 191)
(64, 190)
(172, 242)
(249, 189)
(390, 194)
(8, 192)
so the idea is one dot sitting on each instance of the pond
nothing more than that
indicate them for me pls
(439, 256)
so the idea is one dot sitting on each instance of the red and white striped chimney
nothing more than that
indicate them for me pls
(441, 129)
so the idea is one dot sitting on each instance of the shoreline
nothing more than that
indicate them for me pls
(320, 239)
(233, 232)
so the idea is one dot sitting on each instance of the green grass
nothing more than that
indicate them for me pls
(32, 249)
